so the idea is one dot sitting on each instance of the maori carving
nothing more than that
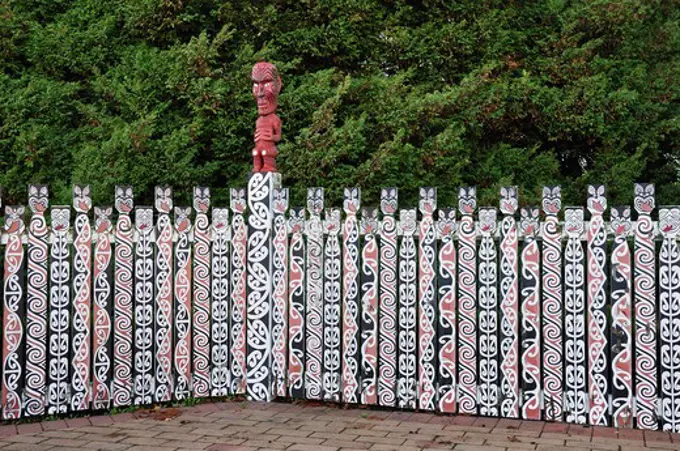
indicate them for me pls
(369, 307)
(575, 392)
(220, 375)
(266, 89)
(350, 299)
(331, 307)
(259, 301)
(646, 385)
(467, 298)
(553, 313)
(182, 302)
(122, 299)
(621, 314)
(280, 294)
(58, 389)
(238, 291)
(387, 364)
(103, 310)
(201, 291)
(598, 386)
(144, 290)
(509, 305)
(531, 337)
(669, 317)
(488, 314)
(446, 324)
(427, 252)
(36, 302)
(296, 288)
(314, 316)
(406, 374)
(14, 308)
(82, 299)
(164, 296)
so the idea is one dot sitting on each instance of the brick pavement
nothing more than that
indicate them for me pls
(315, 427)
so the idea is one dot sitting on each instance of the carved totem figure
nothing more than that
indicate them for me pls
(266, 88)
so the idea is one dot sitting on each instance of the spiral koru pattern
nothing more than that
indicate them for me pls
(122, 320)
(280, 305)
(369, 320)
(182, 303)
(446, 326)
(552, 320)
(297, 315)
(427, 312)
(220, 376)
(646, 385)
(163, 329)
(406, 375)
(36, 316)
(201, 307)
(531, 343)
(598, 385)
(331, 317)
(467, 324)
(82, 262)
(314, 343)
(509, 319)
(102, 336)
(143, 355)
(387, 365)
(238, 304)
(350, 307)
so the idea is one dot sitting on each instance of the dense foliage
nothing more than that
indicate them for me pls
(376, 93)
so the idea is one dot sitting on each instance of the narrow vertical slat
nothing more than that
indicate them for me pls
(427, 311)
(58, 390)
(646, 375)
(163, 296)
(621, 314)
(350, 297)
(238, 291)
(369, 307)
(387, 365)
(220, 376)
(297, 284)
(488, 314)
(467, 301)
(82, 299)
(331, 307)
(447, 320)
(314, 314)
(280, 293)
(182, 303)
(201, 294)
(14, 310)
(669, 317)
(553, 311)
(598, 361)
(531, 316)
(122, 299)
(102, 343)
(575, 391)
(144, 311)
(408, 322)
(36, 302)
(509, 304)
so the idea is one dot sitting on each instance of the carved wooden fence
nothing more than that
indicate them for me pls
(470, 311)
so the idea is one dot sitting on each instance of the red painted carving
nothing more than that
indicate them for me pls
(266, 88)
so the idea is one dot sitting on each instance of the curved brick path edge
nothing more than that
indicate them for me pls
(225, 426)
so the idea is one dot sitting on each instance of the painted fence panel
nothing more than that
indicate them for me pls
(350, 297)
(406, 370)
(163, 296)
(331, 307)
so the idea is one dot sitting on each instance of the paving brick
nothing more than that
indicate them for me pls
(268, 444)
(333, 436)
(312, 448)
(186, 444)
(382, 440)
(65, 442)
(101, 420)
(225, 447)
(151, 441)
(78, 422)
(29, 428)
(556, 428)
(657, 436)
(106, 446)
(150, 448)
(379, 447)
(123, 417)
(7, 430)
(304, 440)
(467, 447)
(347, 444)
(54, 425)
(288, 432)
(578, 432)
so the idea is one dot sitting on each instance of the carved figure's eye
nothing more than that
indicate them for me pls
(266, 85)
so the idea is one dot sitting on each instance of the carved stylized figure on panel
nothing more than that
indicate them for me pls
(350, 299)
(387, 365)
(446, 321)
(266, 88)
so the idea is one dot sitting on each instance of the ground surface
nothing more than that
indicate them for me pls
(246, 426)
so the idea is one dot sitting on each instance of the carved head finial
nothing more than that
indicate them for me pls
(352, 200)
(237, 200)
(369, 220)
(124, 202)
(407, 221)
(446, 224)
(14, 219)
(529, 221)
(61, 218)
(315, 200)
(201, 199)
(102, 219)
(296, 222)
(644, 198)
(144, 219)
(163, 195)
(332, 222)
(552, 200)
(38, 198)
(620, 221)
(487, 221)
(388, 201)
(467, 200)
(266, 87)
(220, 219)
(182, 221)
(280, 200)
(669, 222)
(509, 200)
(597, 202)
(82, 199)
(428, 201)
(573, 221)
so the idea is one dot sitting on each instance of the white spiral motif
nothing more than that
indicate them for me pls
(488, 320)
(467, 324)
(82, 262)
(369, 320)
(122, 320)
(201, 307)
(426, 318)
(331, 317)
(387, 368)
(509, 319)
(314, 314)
(163, 320)
(280, 304)
(220, 376)
(297, 313)
(182, 302)
(446, 333)
(101, 352)
(350, 307)
(406, 379)
(143, 342)
(238, 303)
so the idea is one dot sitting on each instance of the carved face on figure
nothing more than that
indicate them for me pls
(266, 87)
